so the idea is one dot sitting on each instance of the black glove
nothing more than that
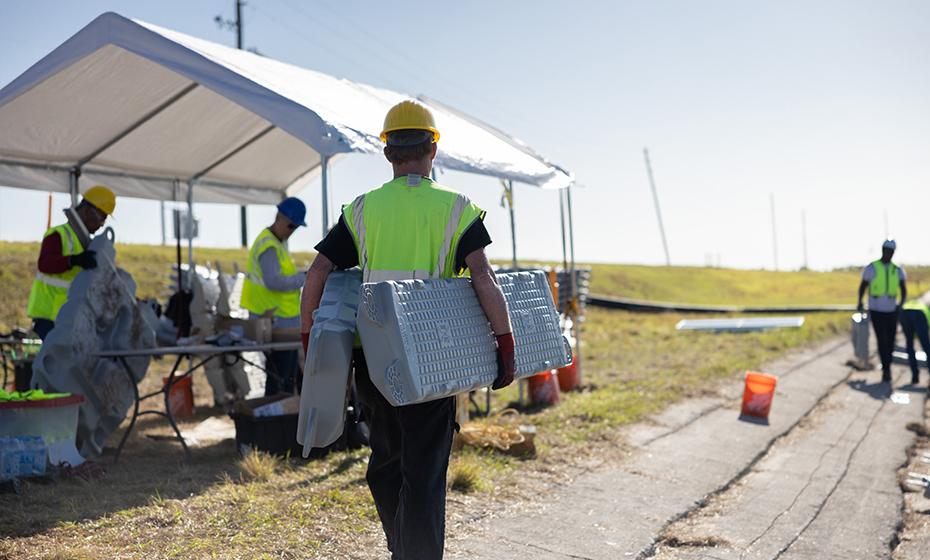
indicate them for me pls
(85, 260)
(506, 361)
(859, 307)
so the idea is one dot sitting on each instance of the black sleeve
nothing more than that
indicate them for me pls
(474, 238)
(339, 246)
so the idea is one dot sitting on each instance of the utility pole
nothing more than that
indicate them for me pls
(237, 27)
(774, 231)
(655, 199)
(804, 236)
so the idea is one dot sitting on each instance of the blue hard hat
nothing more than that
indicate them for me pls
(294, 210)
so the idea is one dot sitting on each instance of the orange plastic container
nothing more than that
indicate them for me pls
(568, 376)
(181, 397)
(544, 389)
(758, 394)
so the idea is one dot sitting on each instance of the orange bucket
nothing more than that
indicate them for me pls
(568, 376)
(181, 397)
(758, 395)
(544, 389)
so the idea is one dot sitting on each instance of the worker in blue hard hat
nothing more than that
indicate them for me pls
(887, 287)
(272, 283)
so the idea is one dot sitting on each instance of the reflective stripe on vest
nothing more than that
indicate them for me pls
(255, 296)
(918, 305)
(407, 244)
(886, 280)
(50, 291)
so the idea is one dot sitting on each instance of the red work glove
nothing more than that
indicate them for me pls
(506, 362)
(305, 340)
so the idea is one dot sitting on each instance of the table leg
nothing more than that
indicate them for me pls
(135, 410)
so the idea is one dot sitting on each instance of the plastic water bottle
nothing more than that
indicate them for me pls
(10, 458)
(37, 452)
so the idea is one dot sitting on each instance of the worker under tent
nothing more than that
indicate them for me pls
(156, 114)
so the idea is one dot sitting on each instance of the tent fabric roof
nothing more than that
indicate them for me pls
(145, 109)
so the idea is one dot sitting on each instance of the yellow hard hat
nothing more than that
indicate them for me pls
(409, 115)
(102, 198)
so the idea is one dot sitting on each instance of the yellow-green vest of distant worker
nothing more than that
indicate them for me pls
(255, 296)
(409, 228)
(886, 280)
(919, 306)
(50, 291)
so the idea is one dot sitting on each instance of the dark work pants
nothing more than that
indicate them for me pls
(914, 322)
(410, 448)
(42, 327)
(282, 370)
(886, 327)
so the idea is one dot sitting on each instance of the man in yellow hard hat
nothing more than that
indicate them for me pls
(62, 256)
(410, 228)
(272, 283)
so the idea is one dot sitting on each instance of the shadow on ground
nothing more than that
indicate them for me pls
(148, 470)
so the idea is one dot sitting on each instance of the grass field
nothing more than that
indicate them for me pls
(152, 505)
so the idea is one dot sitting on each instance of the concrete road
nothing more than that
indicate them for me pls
(817, 481)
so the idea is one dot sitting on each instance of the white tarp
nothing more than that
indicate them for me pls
(145, 110)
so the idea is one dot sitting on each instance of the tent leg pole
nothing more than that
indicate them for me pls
(190, 234)
(244, 227)
(562, 219)
(513, 226)
(324, 169)
(576, 304)
(74, 176)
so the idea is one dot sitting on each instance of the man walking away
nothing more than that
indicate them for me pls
(915, 320)
(885, 281)
(411, 228)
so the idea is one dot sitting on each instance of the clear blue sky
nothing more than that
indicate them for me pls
(825, 104)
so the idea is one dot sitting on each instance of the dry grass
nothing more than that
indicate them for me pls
(152, 505)
(258, 466)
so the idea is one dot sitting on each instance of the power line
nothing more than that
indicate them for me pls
(452, 84)
(302, 35)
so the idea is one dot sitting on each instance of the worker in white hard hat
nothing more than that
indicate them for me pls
(411, 228)
(887, 289)
(62, 257)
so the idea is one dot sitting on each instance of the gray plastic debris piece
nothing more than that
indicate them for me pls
(329, 360)
(428, 339)
(100, 314)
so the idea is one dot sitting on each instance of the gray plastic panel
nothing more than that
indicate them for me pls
(100, 314)
(428, 339)
(329, 361)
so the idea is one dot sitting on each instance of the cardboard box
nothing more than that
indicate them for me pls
(275, 405)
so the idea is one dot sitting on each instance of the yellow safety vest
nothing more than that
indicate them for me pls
(50, 291)
(919, 306)
(255, 296)
(886, 280)
(404, 231)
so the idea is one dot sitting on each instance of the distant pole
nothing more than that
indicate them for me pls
(655, 199)
(774, 231)
(239, 4)
(804, 235)
(49, 224)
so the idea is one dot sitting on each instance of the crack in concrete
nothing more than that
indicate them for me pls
(651, 550)
(836, 485)
(727, 402)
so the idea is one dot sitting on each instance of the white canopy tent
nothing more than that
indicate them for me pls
(157, 114)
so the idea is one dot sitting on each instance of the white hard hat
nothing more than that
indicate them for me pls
(889, 244)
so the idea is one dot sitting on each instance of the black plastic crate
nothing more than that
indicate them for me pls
(276, 435)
